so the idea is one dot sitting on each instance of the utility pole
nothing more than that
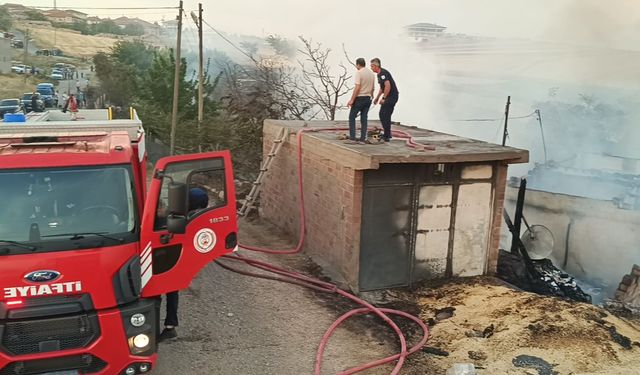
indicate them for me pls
(198, 21)
(544, 142)
(506, 119)
(176, 85)
(26, 53)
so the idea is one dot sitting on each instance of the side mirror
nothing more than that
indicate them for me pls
(177, 198)
(176, 224)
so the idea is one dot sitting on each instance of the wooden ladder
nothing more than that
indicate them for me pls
(250, 199)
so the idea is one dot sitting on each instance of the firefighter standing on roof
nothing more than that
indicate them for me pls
(387, 96)
(360, 100)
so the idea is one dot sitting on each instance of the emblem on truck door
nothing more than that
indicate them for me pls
(205, 240)
(42, 276)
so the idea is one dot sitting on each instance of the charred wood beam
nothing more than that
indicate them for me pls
(517, 220)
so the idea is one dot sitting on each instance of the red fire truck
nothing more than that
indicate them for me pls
(86, 250)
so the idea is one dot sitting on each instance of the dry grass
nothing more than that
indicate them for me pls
(70, 42)
(13, 85)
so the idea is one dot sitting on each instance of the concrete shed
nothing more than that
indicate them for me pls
(388, 215)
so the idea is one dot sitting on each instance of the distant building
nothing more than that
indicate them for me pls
(5, 55)
(76, 14)
(59, 16)
(423, 31)
(149, 28)
(93, 20)
(170, 25)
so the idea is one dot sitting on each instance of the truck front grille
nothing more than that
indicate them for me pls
(47, 335)
(84, 363)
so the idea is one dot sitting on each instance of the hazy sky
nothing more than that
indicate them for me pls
(615, 22)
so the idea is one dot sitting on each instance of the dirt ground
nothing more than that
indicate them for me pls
(492, 324)
(233, 324)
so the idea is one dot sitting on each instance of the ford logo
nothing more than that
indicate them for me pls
(42, 276)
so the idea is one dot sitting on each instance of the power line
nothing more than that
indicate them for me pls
(105, 8)
(127, 13)
(496, 119)
(230, 42)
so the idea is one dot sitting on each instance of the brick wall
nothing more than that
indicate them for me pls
(333, 199)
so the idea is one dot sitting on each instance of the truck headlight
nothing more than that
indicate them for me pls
(141, 341)
(137, 320)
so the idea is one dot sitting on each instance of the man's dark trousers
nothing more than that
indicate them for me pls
(386, 110)
(171, 318)
(360, 105)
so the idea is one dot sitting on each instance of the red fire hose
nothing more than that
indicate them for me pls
(318, 285)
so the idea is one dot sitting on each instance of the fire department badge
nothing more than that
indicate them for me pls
(205, 240)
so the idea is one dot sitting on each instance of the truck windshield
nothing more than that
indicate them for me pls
(47, 208)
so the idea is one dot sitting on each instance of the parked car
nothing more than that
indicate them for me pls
(17, 43)
(56, 75)
(20, 69)
(26, 103)
(48, 94)
(10, 106)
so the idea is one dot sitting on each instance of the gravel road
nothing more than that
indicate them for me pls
(234, 324)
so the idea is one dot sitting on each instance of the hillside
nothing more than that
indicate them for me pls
(13, 85)
(71, 43)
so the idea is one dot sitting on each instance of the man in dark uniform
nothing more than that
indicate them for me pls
(387, 96)
(198, 200)
(34, 102)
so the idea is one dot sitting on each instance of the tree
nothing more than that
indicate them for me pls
(118, 80)
(77, 25)
(34, 15)
(250, 48)
(158, 84)
(247, 102)
(135, 53)
(6, 22)
(282, 46)
(133, 29)
(319, 85)
(106, 26)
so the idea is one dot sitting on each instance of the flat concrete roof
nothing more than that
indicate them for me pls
(441, 147)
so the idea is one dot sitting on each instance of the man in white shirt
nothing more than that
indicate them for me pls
(360, 101)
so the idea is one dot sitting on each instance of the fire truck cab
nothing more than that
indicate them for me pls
(87, 245)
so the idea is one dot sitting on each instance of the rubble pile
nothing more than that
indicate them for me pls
(501, 330)
(626, 301)
(629, 289)
(542, 277)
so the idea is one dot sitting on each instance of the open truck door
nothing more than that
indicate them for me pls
(189, 220)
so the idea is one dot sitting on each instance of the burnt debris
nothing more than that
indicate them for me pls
(528, 361)
(537, 276)
(546, 279)
(623, 340)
